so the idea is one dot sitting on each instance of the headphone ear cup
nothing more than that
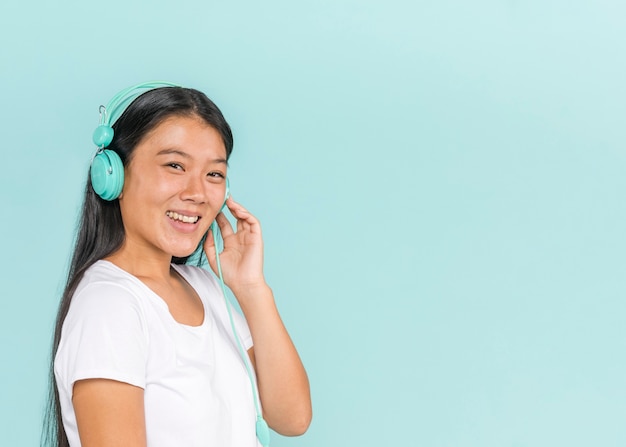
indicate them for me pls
(107, 175)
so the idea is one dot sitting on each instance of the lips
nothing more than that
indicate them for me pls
(182, 217)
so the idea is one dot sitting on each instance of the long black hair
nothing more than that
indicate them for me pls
(100, 230)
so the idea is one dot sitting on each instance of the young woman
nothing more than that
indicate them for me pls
(146, 350)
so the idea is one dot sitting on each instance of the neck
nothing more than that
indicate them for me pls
(142, 263)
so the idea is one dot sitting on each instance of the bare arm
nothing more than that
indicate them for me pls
(283, 383)
(109, 413)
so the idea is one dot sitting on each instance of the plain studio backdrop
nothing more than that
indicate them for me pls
(441, 187)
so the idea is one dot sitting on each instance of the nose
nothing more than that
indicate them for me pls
(195, 189)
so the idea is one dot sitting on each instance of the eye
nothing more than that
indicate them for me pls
(175, 166)
(215, 174)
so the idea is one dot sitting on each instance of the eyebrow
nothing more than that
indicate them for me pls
(187, 156)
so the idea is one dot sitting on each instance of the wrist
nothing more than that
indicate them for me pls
(251, 290)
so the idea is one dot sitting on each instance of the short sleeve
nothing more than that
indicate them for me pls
(103, 336)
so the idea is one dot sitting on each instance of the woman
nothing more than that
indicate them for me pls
(145, 348)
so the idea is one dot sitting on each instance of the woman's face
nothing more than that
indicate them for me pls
(174, 187)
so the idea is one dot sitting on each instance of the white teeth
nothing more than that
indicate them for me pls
(181, 217)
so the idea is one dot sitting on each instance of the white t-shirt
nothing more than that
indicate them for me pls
(196, 389)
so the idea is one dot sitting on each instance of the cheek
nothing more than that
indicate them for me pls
(220, 195)
(158, 187)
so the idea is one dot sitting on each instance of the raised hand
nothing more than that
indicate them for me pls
(283, 383)
(242, 258)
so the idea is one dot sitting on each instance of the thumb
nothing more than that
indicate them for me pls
(210, 249)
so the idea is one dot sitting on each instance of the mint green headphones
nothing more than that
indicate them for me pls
(107, 169)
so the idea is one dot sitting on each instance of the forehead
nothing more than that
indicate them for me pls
(189, 134)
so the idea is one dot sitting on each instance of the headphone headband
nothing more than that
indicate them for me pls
(122, 100)
(109, 114)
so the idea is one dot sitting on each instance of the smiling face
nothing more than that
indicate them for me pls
(174, 187)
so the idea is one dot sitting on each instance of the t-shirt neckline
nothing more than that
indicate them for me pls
(157, 297)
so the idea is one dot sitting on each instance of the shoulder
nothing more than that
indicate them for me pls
(107, 291)
(105, 272)
(106, 331)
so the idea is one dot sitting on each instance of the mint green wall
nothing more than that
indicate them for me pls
(440, 185)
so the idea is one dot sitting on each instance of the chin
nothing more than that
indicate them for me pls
(183, 253)
(181, 247)
(183, 250)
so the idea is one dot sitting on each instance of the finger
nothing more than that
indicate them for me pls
(224, 225)
(242, 215)
(236, 206)
(208, 241)
(248, 224)
(210, 250)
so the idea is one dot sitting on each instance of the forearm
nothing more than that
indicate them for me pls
(283, 383)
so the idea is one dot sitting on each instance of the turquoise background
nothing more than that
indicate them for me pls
(440, 186)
